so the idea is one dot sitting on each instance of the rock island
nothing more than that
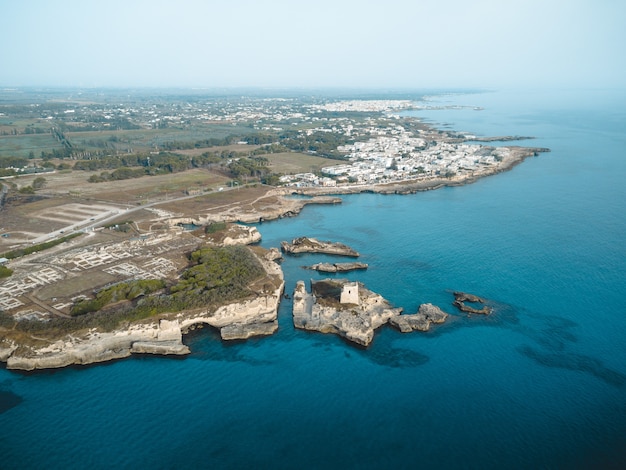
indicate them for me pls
(313, 245)
(342, 307)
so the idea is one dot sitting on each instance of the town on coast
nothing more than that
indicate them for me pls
(124, 233)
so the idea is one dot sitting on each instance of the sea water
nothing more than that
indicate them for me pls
(541, 382)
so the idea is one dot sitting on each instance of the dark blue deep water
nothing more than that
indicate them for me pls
(540, 383)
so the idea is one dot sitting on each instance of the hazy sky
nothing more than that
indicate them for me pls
(319, 43)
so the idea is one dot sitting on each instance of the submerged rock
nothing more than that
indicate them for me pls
(465, 297)
(462, 297)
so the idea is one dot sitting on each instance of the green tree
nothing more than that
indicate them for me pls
(26, 190)
(39, 183)
(5, 272)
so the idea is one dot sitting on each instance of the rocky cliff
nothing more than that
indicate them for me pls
(162, 337)
(236, 234)
(256, 316)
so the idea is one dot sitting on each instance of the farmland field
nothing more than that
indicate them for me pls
(22, 145)
(151, 139)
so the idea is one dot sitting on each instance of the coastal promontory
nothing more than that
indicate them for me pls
(235, 289)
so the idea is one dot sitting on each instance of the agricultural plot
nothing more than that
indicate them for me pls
(151, 139)
(75, 214)
(22, 145)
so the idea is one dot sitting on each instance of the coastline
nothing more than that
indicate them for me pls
(163, 335)
(427, 184)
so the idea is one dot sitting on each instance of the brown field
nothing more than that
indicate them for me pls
(217, 201)
(133, 191)
(68, 202)
(75, 285)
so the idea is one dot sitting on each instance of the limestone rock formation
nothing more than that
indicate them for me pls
(241, 235)
(273, 254)
(342, 307)
(426, 314)
(234, 234)
(245, 331)
(312, 245)
(242, 320)
(156, 338)
(337, 267)
(6, 350)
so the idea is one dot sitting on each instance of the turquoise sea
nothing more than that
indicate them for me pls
(540, 383)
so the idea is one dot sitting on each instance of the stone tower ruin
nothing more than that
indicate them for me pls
(350, 293)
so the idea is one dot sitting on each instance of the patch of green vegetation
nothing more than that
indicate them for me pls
(27, 144)
(319, 143)
(220, 273)
(15, 162)
(124, 291)
(7, 172)
(117, 224)
(328, 293)
(40, 247)
(215, 227)
(5, 272)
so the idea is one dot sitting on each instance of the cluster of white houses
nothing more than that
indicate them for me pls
(365, 105)
(401, 157)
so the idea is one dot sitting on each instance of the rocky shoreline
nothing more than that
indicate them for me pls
(518, 155)
(337, 306)
(240, 320)
(164, 335)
